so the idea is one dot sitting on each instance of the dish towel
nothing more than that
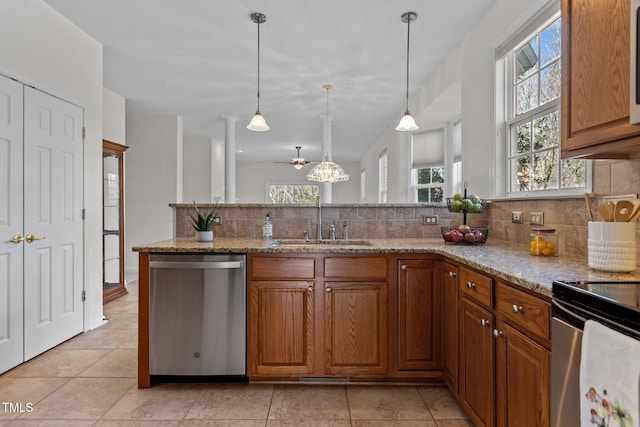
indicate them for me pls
(609, 378)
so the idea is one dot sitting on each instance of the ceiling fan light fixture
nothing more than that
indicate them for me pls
(407, 122)
(298, 164)
(258, 123)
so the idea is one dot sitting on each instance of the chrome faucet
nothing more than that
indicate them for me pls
(319, 219)
(346, 230)
(332, 231)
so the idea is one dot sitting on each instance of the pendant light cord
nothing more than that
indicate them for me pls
(408, 38)
(258, 64)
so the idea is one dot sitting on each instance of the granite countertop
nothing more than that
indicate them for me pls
(508, 262)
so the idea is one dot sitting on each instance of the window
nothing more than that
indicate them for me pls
(292, 193)
(427, 166)
(529, 75)
(382, 177)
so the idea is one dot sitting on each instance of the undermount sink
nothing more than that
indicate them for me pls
(315, 242)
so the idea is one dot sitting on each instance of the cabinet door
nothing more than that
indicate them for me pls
(356, 328)
(477, 370)
(280, 328)
(523, 380)
(450, 325)
(595, 79)
(418, 319)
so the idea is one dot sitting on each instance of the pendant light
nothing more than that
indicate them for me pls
(327, 171)
(407, 122)
(258, 123)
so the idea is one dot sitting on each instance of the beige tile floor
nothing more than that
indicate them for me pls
(90, 380)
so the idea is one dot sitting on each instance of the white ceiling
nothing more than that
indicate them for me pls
(198, 59)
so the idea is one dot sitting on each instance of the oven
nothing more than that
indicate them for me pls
(613, 304)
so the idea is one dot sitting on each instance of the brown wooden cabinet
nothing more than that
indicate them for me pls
(523, 380)
(523, 361)
(281, 316)
(419, 304)
(317, 315)
(450, 325)
(595, 80)
(477, 357)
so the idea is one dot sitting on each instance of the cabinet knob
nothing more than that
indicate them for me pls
(485, 322)
(471, 285)
(517, 308)
(328, 289)
(497, 333)
(310, 288)
(403, 266)
(452, 274)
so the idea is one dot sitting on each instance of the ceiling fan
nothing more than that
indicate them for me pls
(297, 162)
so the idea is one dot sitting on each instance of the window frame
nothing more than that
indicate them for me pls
(383, 183)
(507, 118)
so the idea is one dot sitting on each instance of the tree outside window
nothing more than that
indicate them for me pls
(430, 184)
(293, 193)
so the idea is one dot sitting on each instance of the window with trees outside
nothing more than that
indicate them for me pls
(293, 193)
(428, 169)
(531, 65)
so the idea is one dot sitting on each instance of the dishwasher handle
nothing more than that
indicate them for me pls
(198, 265)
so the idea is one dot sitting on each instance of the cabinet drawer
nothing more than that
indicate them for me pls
(356, 267)
(273, 268)
(476, 286)
(524, 311)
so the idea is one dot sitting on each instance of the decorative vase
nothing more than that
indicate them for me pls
(204, 236)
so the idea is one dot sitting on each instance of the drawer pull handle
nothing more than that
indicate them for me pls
(485, 322)
(497, 333)
(517, 308)
(471, 285)
(452, 274)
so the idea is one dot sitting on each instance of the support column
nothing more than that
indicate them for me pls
(327, 153)
(230, 158)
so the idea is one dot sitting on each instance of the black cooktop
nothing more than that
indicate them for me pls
(617, 301)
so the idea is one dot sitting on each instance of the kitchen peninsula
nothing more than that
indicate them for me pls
(395, 310)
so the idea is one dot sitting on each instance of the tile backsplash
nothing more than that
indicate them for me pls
(569, 216)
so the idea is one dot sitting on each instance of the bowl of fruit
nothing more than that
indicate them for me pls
(464, 235)
(459, 203)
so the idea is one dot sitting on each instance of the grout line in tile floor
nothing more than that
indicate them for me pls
(90, 380)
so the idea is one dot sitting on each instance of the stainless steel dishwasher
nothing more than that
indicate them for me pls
(197, 316)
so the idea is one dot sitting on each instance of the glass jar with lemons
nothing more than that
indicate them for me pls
(544, 242)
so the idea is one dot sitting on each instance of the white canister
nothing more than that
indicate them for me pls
(612, 246)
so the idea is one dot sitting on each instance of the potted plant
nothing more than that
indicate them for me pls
(202, 223)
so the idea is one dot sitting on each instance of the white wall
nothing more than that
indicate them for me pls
(113, 117)
(40, 47)
(152, 180)
(471, 64)
(197, 169)
(253, 176)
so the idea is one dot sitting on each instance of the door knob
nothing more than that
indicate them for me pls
(17, 238)
(31, 238)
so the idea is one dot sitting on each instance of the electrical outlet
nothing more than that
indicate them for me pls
(516, 217)
(430, 219)
(537, 218)
(217, 220)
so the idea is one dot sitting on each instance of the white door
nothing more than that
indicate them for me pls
(53, 201)
(11, 256)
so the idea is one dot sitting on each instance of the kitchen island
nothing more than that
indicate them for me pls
(474, 316)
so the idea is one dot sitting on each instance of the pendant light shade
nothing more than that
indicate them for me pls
(407, 122)
(327, 171)
(258, 123)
